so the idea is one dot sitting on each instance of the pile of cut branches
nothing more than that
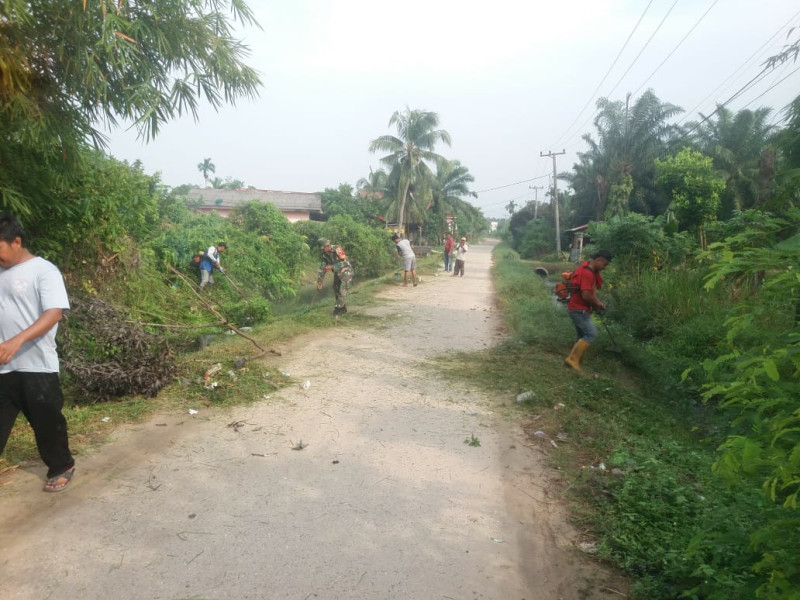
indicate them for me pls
(107, 356)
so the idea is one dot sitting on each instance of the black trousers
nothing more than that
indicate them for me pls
(38, 396)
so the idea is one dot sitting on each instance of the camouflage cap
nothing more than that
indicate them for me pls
(324, 242)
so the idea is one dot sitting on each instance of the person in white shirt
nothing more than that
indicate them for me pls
(33, 299)
(461, 251)
(209, 263)
(409, 259)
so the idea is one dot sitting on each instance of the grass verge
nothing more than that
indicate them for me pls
(636, 462)
(90, 424)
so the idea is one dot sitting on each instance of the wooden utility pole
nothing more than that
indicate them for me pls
(535, 189)
(555, 195)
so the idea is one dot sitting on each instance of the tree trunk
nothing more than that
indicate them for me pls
(403, 206)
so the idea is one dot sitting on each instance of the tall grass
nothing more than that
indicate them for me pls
(662, 516)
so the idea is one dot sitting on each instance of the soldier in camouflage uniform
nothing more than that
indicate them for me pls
(334, 259)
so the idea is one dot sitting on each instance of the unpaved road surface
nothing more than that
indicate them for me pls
(385, 501)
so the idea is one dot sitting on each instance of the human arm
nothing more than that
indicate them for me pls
(589, 297)
(323, 268)
(48, 320)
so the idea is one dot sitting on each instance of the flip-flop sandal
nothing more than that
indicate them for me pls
(53, 485)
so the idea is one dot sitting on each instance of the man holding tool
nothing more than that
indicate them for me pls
(335, 260)
(585, 279)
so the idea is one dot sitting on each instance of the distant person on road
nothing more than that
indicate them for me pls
(210, 262)
(582, 301)
(409, 259)
(32, 301)
(461, 255)
(335, 260)
(448, 250)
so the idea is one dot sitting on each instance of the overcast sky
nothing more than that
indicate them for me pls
(509, 79)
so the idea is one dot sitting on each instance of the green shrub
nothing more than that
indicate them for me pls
(278, 235)
(535, 238)
(369, 249)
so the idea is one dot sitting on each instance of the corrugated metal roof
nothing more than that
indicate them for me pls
(212, 198)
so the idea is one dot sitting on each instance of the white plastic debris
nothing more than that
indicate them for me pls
(588, 547)
(105, 419)
(538, 434)
(192, 411)
(559, 406)
(306, 384)
(525, 396)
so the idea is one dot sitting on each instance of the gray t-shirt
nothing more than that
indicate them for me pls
(404, 249)
(27, 290)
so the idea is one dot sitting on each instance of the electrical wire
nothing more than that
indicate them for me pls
(603, 80)
(500, 187)
(683, 39)
(647, 43)
(770, 88)
(759, 51)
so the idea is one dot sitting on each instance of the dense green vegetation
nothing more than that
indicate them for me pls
(641, 453)
(699, 416)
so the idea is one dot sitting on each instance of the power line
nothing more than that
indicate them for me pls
(585, 123)
(647, 43)
(770, 87)
(759, 50)
(603, 80)
(500, 187)
(683, 39)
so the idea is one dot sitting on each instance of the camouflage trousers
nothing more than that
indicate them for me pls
(341, 284)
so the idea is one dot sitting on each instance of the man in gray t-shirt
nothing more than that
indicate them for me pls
(32, 301)
(409, 259)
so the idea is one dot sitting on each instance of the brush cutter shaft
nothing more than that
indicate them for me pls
(608, 331)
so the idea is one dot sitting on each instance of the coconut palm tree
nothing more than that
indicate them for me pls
(451, 184)
(373, 187)
(410, 151)
(205, 168)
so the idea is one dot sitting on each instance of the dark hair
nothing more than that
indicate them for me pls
(603, 254)
(10, 229)
(223, 244)
(395, 237)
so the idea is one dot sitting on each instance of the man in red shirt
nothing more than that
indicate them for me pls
(583, 301)
(448, 251)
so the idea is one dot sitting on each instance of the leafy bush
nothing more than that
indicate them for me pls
(369, 249)
(536, 238)
(106, 203)
(276, 232)
(640, 243)
(249, 260)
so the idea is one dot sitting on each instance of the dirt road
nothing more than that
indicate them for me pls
(385, 501)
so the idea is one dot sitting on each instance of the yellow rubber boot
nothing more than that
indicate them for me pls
(575, 356)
